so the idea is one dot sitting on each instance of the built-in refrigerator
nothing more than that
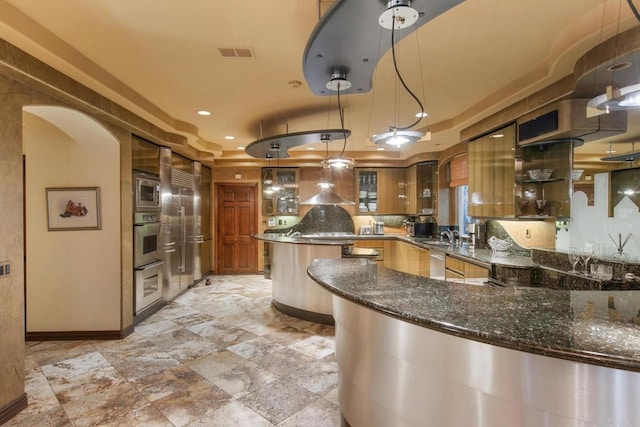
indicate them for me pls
(178, 222)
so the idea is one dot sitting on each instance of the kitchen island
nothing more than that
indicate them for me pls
(419, 351)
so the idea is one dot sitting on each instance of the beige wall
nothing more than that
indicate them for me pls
(73, 277)
(11, 230)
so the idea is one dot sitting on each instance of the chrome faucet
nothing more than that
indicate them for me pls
(452, 235)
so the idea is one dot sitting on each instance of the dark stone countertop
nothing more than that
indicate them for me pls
(573, 325)
(479, 256)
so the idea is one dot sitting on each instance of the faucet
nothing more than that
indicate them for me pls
(452, 235)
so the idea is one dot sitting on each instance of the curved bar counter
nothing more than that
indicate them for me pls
(414, 351)
(294, 293)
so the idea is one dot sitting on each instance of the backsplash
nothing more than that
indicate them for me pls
(592, 223)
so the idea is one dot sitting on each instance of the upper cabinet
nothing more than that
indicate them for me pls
(380, 190)
(426, 188)
(543, 179)
(280, 191)
(492, 174)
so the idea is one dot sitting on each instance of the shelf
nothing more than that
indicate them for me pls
(542, 181)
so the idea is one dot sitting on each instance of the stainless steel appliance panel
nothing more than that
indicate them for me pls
(146, 243)
(146, 193)
(198, 238)
(148, 289)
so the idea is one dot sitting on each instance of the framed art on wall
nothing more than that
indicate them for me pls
(73, 208)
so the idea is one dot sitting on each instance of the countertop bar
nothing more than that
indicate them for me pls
(571, 325)
(481, 256)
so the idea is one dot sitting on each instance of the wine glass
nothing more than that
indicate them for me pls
(574, 258)
(591, 250)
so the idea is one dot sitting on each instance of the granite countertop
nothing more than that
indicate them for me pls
(574, 325)
(481, 256)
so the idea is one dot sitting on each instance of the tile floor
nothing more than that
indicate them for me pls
(217, 355)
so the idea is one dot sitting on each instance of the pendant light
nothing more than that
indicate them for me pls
(622, 95)
(337, 83)
(399, 15)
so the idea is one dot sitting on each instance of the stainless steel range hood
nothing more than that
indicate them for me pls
(326, 197)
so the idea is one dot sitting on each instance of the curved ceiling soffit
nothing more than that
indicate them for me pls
(277, 146)
(347, 40)
(79, 126)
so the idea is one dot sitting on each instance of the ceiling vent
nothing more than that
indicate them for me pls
(568, 119)
(236, 52)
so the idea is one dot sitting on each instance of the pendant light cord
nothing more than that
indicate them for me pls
(341, 114)
(395, 66)
(634, 10)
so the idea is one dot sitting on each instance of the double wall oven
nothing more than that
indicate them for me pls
(146, 240)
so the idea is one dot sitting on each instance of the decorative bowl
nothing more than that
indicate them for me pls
(576, 174)
(540, 173)
(498, 246)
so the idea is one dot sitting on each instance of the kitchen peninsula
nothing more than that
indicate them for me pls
(411, 349)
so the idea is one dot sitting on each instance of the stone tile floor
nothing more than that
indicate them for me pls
(217, 355)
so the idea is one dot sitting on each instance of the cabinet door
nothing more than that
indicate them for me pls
(427, 188)
(406, 258)
(411, 179)
(392, 193)
(492, 174)
(280, 191)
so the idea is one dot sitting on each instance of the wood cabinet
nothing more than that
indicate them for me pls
(458, 270)
(380, 190)
(279, 187)
(538, 195)
(492, 174)
(407, 258)
(427, 188)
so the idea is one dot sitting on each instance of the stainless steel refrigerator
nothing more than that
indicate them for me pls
(178, 219)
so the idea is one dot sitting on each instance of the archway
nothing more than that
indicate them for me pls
(73, 275)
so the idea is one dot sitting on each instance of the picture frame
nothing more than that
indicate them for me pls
(73, 208)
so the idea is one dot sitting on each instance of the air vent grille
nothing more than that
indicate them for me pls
(181, 179)
(236, 52)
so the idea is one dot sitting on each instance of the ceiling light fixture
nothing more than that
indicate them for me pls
(203, 113)
(397, 16)
(617, 96)
(229, 137)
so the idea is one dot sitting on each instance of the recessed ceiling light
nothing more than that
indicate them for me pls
(380, 148)
(498, 135)
(610, 151)
(229, 137)
(240, 147)
(311, 148)
(423, 114)
(204, 113)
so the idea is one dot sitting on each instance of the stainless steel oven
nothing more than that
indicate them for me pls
(148, 280)
(146, 193)
(146, 260)
(146, 238)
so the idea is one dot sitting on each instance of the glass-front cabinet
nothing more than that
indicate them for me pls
(426, 187)
(280, 191)
(543, 179)
(492, 175)
(380, 190)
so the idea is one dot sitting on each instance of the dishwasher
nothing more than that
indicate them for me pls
(436, 265)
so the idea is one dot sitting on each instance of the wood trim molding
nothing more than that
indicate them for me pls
(79, 335)
(13, 408)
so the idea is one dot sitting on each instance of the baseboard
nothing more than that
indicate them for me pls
(78, 335)
(13, 408)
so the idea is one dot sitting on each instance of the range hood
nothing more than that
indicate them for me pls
(568, 119)
(326, 197)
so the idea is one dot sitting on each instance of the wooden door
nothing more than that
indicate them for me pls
(236, 224)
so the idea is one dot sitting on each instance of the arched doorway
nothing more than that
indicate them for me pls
(73, 275)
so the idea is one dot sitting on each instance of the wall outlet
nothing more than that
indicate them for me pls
(5, 268)
(271, 222)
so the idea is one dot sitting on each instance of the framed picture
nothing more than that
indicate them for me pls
(73, 208)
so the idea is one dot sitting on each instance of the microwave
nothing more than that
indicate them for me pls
(146, 193)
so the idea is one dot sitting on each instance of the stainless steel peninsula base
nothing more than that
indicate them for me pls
(413, 351)
(294, 293)
(396, 373)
